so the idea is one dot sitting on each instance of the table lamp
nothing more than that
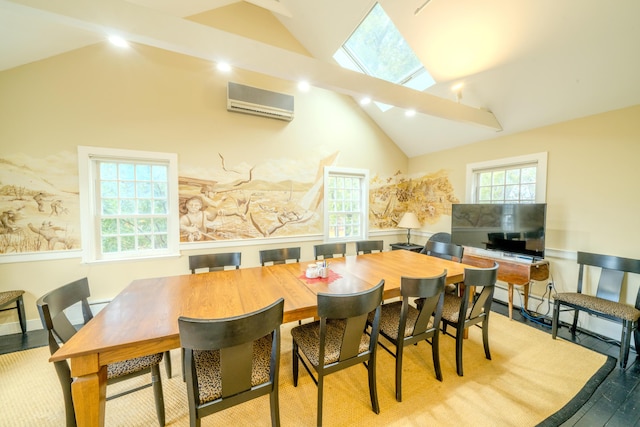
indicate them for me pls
(409, 220)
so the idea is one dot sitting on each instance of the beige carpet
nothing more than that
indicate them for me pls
(530, 377)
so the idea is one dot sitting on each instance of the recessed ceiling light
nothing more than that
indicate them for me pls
(365, 101)
(410, 113)
(304, 86)
(224, 67)
(118, 41)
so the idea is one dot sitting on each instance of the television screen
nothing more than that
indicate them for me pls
(512, 229)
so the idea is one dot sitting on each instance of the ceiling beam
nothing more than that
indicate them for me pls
(158, 29)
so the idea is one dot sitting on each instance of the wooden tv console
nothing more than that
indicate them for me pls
(513, 270)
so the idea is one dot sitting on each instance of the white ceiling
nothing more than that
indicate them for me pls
(530, 63)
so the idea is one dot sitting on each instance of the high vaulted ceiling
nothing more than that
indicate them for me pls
(524, 63)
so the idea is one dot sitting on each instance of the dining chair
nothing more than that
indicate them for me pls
(215, 262)
(473, 307)
(279, 256)
(443, 237)
(368, 246)
(232, 360)
(443, 250)
(402, 324)
(449, 251)
(605, 301)
(8, 298)
(339, 339)
(51, 307)
(329, 250)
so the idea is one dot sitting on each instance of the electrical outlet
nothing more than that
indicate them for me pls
(550, 286)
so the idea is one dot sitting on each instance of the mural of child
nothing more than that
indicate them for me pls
(57, 208)
(197, 221)
(39, 198)
(8, 221)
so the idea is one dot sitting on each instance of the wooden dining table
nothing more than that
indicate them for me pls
(143, 318)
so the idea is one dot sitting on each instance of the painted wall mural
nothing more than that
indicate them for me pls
(39, 200)
(428, 196)
(39, 203)
(273, 198)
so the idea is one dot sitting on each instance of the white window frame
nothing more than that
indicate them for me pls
(363, 175)
(540, 159)
(90, 227)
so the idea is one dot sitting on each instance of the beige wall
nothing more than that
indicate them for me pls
(592, 194)
(148, 99)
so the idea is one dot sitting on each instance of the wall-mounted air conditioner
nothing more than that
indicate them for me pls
(259, 102)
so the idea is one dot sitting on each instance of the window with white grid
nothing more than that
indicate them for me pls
(513, 180)
(346, 204)
(129, 205)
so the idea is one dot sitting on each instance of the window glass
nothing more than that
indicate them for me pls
(377, 48)
(514, 180)
(134, 208)
(346, 204)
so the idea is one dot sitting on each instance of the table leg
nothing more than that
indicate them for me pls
(526, 298)
(89, 392)
(510, 291)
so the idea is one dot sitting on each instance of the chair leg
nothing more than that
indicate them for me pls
(184, 375)
(167, 363)
(636, 337)
(574, 326)
(21, 315)
(275, 407)
(64, 375)
(399, 355)
(485, 337)
(459, 342)
(373, 390)
(156, 380)
(435, 352)
(625, 342)
(320, 391)
(294, 352)
(556, 319)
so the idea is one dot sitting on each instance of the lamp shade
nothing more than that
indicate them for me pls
(409, 220)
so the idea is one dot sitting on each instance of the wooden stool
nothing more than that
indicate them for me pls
(10, 297)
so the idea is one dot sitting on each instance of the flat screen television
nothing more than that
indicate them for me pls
(512, 229)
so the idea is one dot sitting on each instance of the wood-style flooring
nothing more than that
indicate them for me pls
(616, 402)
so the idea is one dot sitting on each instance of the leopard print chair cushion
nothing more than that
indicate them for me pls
(390, 319)
(7, 296)
(612, 308)
(308, 336)
(119, 369)
(208, 369)
(451, 308)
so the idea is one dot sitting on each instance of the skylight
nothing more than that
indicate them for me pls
(378, 49)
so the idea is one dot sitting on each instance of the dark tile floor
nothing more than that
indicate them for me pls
(616, 402)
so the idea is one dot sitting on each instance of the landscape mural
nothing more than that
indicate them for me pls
(39, 201)
(428, 196)
(273, 198)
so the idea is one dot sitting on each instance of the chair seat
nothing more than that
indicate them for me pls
(126, 367)
(390, 319)
(600, 305)
(308, 335)
(451, 308)
(8, 296)
(208, 369)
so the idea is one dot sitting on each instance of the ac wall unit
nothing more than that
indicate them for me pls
(259, 102)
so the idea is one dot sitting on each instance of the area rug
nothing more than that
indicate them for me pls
(529, 381)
